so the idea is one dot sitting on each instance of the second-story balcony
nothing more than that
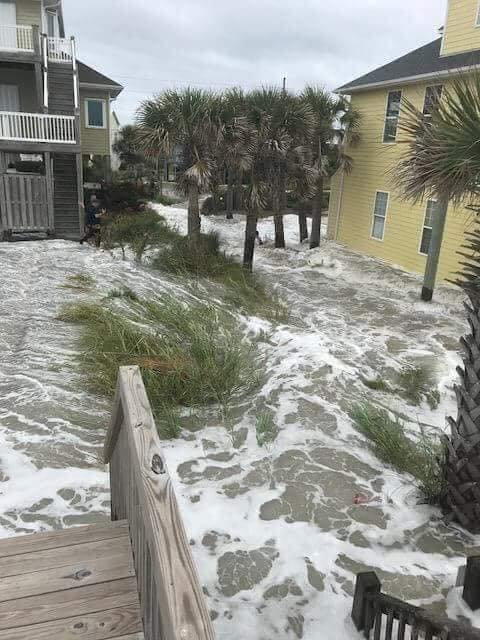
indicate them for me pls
(37, 128)
(19, 38)
(24, 40)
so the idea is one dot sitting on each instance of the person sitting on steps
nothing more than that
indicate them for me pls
(93, 215)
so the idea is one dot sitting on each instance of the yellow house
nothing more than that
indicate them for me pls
(366, 212)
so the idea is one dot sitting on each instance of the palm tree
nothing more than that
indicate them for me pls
(237, 134)
(188, 118)
(336, 127)
(443, 161)
(289, 125)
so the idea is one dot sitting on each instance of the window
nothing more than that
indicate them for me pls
(432, 98)
(52, 24)
(428, 226)
(379, 215)
(393, 113)
(95, 113)
(478, 17)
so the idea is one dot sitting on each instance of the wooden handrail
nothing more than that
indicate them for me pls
(371, 607)
(171, 598)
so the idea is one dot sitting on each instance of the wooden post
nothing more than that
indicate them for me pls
(471, 589)
(81, 200)
(435, 248)
(50, 191)
(366, 583)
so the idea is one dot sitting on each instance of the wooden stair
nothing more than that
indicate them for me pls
(75, 584)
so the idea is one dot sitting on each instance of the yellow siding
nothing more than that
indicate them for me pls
(461, 32)
(373, 164)
(29, 12)
(94, 141)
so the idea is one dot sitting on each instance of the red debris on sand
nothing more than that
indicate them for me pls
(360, 498)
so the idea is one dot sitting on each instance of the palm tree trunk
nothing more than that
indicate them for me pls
(229, 195)
(250, 237)
(462, 500)
(194, 222)
(280, 210)
(315, 234)
(302, 226)
(239, 191)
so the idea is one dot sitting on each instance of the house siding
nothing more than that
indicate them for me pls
(372, 171)
(461, 32)
(29, 12)
(94, 141)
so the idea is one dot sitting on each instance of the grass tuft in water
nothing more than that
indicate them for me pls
(266, 430)
(417, 382)
(123, 292)
(189, 355)
(423, 458)
(79, 282)
(377, 384)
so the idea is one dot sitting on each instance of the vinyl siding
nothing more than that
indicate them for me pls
(94, 141)
(372, 172)
(29, 12)
(461, 32)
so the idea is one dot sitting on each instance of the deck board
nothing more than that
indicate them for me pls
(76, 584)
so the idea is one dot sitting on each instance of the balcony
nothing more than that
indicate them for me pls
(18, 38)
(37, 128)
(59, 49)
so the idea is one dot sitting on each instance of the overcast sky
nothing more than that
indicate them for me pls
(148, 45)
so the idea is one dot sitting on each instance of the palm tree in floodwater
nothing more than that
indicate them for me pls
(289, 126)
(336, 128)
(187, 118)
(442, 162)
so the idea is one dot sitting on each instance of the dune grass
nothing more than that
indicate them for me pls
(423, 458)
(377, 384)
(417, 382)
(206, 260)
(79, 282)
(189, 355)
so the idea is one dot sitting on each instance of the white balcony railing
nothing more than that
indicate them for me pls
(16, 38)
(59, 49)
(37, 127)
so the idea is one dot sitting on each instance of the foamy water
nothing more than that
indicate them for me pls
(276, 534)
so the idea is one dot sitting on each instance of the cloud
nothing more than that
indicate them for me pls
(148, 45)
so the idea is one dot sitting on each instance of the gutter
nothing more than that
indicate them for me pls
(406, 80)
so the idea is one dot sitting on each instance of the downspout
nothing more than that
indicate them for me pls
(339, 205)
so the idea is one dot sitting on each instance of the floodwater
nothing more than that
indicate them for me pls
(276, 533)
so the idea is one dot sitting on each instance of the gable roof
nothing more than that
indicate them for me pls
(414, 66)
(89, 76)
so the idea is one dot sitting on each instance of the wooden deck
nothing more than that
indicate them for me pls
(74, 584)
(131, 579)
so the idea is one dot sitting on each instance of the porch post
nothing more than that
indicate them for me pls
(50, 192)
(81, 203)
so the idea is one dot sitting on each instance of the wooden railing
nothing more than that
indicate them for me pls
(37, 127)
(16, 38)
(59, 49)
(24, 203)
(383, 617)
(171, 598)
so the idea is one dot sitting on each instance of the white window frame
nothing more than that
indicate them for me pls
(431, 86)
(386, 117)
(374, 215)
(477, 16)
(104, 110)
(56, 26)
(424, 226)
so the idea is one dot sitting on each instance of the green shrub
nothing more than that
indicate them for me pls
(423, 458)
(266, 430)
(137, 231)
(189, 355)
(124, 292)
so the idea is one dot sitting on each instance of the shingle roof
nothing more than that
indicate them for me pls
(423, 61)
(87, 75)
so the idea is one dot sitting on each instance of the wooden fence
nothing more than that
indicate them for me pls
(383, 617)
(171, 598)
(24, 203)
